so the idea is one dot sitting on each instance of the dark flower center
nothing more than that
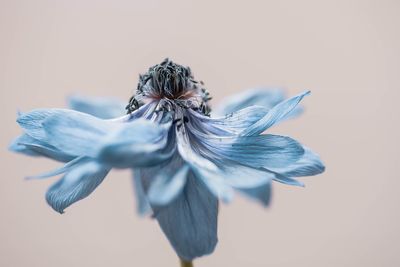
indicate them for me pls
(171, 81)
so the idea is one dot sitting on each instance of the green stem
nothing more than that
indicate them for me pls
(186, 263)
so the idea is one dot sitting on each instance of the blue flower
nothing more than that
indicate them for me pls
(184, 161)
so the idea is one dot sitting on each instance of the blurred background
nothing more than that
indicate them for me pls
(346, 52)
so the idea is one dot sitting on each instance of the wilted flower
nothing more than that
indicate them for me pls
(184, 161)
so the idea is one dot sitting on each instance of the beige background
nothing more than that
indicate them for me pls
(346, 52)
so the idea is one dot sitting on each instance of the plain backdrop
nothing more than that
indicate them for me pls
(345, 52)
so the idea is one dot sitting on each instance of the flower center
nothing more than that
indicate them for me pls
(170, 81)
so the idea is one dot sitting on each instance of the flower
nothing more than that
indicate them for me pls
(184, 161)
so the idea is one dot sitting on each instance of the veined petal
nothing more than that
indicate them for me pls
(203, 168)
(76, 133)
(32, 147)
(309, 164)
(139, 143)
(234, 123)
(75, 185)
(32, 122)
(262, 151)
(142, 203)
(100, 107)
(167, 186)
(265, 97)
(274, 115)
(190, 221)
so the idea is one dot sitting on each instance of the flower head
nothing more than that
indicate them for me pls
(184, 161)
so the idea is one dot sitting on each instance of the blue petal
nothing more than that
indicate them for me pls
(139, 143)
(203, 168)
(167, 185)
(32, 147)
(262, 151)
(142, 203)
(230, 124)
(262, 193)
(65, 168)
(190, 221)
(75, 185)
(287, 180)
(275, 115)
(32, 122)
(101, 107)
(76, 133)
(253, 97)
(309, 164)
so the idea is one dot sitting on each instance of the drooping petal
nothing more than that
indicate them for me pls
(75, 185)
(274, 115)
(167, 186)
(76, 133)
(190, 221)
(203, 168)
(32, 147)
(100, 107)
(287, 180)
(261, 194)
(63, 169)
(142, 202)
(32, 122)
(309, 164)
(139, 143)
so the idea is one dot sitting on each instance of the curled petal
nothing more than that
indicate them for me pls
(274, 115)
(139, 143)
(287, 180)
(63, 169)
(309, 164)
(32, 147)
(203, 168)
(75, 185)
(100, 107)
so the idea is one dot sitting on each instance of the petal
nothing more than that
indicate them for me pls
(287, 180)
(309, 164)
(254, 97)
(101, 107)
(166, 186)
(142, 203)
(139, 143)
(233, 123)
(262, 151)
(32, 121)
(76, 133)
(275, 115)
(65, 168)
(29, 146)
(190, 221)
(262, 193)
(203, 168)
(75, 185)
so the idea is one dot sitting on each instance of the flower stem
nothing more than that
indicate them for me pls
(186, 263)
